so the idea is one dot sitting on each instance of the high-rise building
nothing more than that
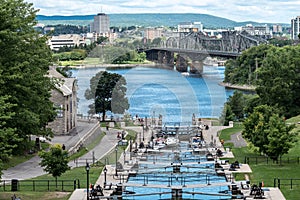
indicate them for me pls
(100, 24)
(295, 25)
(277, 28)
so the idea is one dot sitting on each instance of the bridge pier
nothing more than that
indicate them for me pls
(196, 67)
(166, 58)
(181, 64)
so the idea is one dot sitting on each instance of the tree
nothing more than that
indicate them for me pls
(269, 132)
(55, 161)
(279, 80)
(237, 104)
(109, 93)
(227, 115)
(244, 69)
(24, 62)
(6, 133)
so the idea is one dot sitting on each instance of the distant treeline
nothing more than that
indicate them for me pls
(151, 20)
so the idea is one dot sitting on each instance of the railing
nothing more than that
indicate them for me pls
(292, 183)
(39, 185)
(266, 160)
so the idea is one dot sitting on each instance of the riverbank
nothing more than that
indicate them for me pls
(239, 87)
(114, 66)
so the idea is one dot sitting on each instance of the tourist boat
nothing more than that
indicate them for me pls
(185, 74)
(196, 142)
(171, 141)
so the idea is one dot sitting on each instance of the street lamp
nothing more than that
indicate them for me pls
(105, 171)
(116, 160)
(143, 132)
(87, 168)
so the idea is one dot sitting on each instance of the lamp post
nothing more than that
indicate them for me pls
(87, 168)
(105, 171)
(143, 134)
(116, 160)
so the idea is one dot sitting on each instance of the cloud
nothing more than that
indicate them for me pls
(276, 11)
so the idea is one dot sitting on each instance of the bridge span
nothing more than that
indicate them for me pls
(188, 50)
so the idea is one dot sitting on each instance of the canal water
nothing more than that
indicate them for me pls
(153, 91)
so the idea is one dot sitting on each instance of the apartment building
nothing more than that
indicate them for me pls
(295, 28)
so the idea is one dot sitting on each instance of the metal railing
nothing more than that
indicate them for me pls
(292, 183)
(267, 160)
(39, 185)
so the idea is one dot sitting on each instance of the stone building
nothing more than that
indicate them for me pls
(64, 97)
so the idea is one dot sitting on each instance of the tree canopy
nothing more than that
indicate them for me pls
(108, 90)
(276, 73)
(25, 89)
(265, 129)
(55, 161)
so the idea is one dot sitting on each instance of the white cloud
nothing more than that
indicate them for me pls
(243, 10)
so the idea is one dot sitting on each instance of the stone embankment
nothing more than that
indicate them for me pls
(239, 87)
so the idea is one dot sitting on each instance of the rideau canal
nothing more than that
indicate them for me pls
(154, 91)
(180, 169)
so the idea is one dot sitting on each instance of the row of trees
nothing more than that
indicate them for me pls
(275, 73)
(117, 55)
(25, 106)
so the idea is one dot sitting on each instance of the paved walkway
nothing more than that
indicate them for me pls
(31, 168)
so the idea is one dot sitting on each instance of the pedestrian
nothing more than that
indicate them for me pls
(107, 126)
(63, 147)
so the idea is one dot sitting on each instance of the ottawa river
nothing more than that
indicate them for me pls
(154, 91)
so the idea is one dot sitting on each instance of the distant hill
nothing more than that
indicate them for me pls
(146, 20)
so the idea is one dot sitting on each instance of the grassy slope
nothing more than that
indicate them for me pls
(267, 172)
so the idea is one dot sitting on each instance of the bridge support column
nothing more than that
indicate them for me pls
(166, 58)
(181, 64)
(196, 67)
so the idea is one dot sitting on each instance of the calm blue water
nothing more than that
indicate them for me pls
(154, 181)
(153, 91)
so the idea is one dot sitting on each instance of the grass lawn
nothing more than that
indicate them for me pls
(268, 172)
(36, 195)
(26, 187)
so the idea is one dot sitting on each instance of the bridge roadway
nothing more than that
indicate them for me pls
(211, 53)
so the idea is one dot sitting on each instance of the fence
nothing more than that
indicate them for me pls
(39, 185)
(266, 160)
(292, 183)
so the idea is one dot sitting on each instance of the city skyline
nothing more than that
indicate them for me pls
(278, 11)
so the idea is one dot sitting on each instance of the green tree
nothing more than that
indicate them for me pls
(55, 161)
(279, 80)
(237, 104)
(7, 134)
(269, 132)
(227, 115)
(108, 90)
(24, 63)
(244, 69)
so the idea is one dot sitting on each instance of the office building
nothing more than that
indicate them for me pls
(295, 25)
(100, 25)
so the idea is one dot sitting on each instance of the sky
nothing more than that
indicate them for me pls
(275, 11)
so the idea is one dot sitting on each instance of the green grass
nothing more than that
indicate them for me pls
(37, 195)
(90, 146)
(267, 172)
(15, 160)
(26, 187)
(226, 133)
